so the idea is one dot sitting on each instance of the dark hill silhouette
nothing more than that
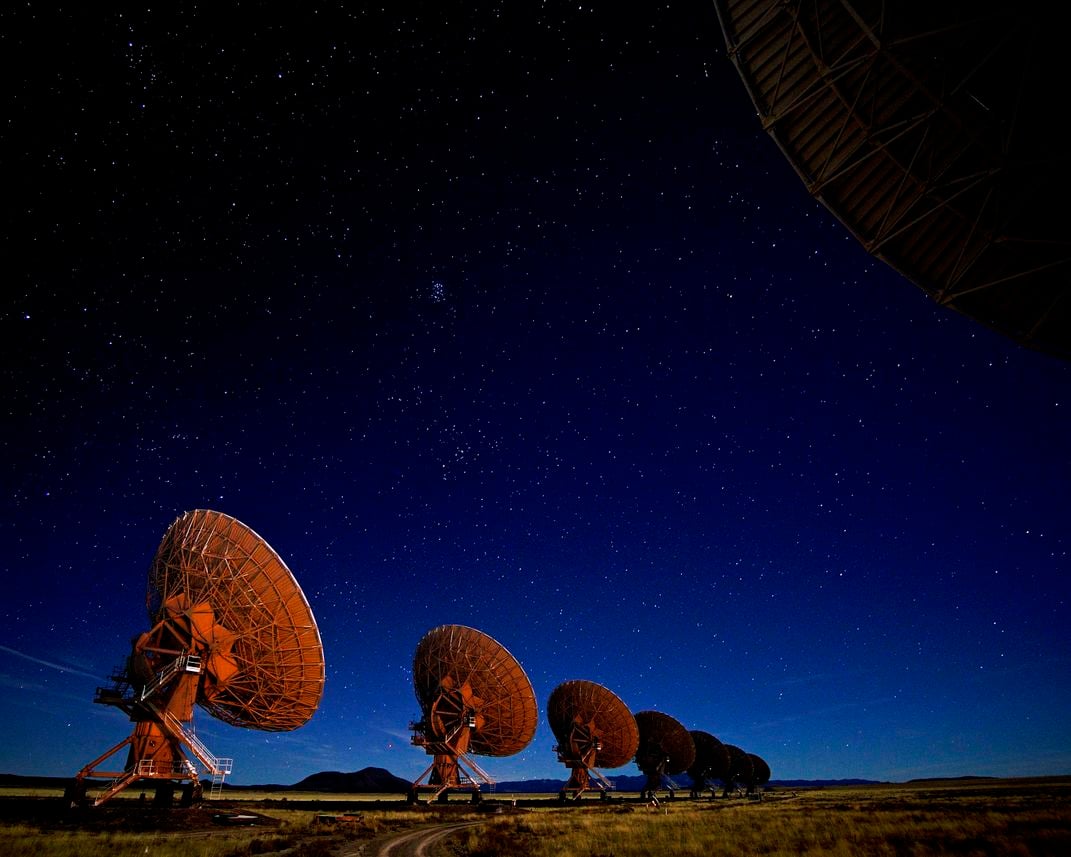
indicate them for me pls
(366, 780)
(382, 781)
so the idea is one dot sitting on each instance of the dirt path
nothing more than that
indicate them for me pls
(415, 843)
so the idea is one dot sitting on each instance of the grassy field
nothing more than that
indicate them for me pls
(968, 818)
(40, 827)
(963, 818)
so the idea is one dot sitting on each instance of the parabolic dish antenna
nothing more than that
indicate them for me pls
(665, 748)
(594, 729)
(760, 772)
(232, 632)
(475, 699)
(711, 761)
(928, 130)
(741, 768)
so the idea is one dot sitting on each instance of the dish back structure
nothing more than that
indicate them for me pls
(230, 631)
(594, 729)
(760, 772)
(665, 748)
(711, 761)
(928, 130)
(475, 699)
(741, 769)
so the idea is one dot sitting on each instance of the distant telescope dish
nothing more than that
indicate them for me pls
(741, 769)
(594, 729)
(711, 761)
(665, 748)
(927, 129)
(230, 631)
(475, 699)
(760, 772)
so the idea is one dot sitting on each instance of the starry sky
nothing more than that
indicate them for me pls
(512, 318)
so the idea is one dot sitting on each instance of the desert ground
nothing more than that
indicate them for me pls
(967, 818)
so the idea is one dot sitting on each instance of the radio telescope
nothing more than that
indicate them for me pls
(665, 748)
(760, 773)
(594, 728)
(927, 130)
(741, 769)
(475, 698)
(230, 631)
(711, 761)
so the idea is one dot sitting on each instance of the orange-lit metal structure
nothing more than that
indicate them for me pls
(230, 631)
(594, 729)
(928, 130)
(711, 761)
(665, 748)
(475, 699)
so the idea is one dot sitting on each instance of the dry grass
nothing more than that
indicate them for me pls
(952, 819)
(907, 821)
(27, 841)
(289, 830)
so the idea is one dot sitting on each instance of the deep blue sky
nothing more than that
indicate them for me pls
(518, 320)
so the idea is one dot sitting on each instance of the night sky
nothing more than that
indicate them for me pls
(512, 318)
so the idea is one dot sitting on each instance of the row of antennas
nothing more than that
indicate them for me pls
(231, 631)
(476, 700)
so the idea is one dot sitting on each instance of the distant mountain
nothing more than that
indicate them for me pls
(949, 779)
(382, 781)
(531, 786)
(630, 783)
(20, 781)
(819, 784)
(366, 780)
(622, 783)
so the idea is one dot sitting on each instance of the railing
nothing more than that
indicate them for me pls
(214, 765)
(117, 785)
(183, 663)
(480, 772)
(131, 699)
(603, 781)
(119, 692)
(218, 768)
